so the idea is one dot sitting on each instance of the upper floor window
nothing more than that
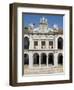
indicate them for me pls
(35, 43)
(50, 44)
(26, 43)
(60, 43)
(42, 44)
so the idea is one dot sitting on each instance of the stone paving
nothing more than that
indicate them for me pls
(43, 70)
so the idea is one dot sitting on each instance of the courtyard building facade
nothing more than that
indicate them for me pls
(43, 46)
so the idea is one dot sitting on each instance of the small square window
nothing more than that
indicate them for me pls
(35, 43)
(43, 43)
(50, 42)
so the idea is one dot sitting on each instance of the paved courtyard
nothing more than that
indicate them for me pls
(42, 70)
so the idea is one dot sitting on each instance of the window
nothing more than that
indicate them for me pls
(50, 44)
(26, 43)
(35, 43)
(43, 43)
(60, 43)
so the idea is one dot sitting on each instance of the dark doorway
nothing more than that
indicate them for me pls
(36, 58)
(26, 59)
(60, 59)
(51, 58)
(60, 43)
(43, 58)
(26, 43)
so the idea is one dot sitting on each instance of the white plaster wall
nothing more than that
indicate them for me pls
(45, 38)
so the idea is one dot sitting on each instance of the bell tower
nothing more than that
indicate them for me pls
(43, 25)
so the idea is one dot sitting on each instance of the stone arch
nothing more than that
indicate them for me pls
(26, 43)
(51, 58)
(26, 59)
(60, 59)
(35, 58)
(60, 43)
(26, 35)
(43, 58)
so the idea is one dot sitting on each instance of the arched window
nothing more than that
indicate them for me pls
(26, 43)
(36, 58)
(43, 58)
(60, 43)
(60, 59)
(26, 59)
(51, 58)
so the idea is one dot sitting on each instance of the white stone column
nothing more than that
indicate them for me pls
(55, 43)
(55, 59)
(47, 60)
(30, 60)
(39, 44)
(47, 44)
(31, 43)
(39, 60)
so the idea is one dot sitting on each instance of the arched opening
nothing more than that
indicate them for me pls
(60, 43)
(60, 59)
(26, 59)
(43, 58)
(26, 43)
(51, 58)
(36, 58)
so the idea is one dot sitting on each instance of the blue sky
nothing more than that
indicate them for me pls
(35, 19)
